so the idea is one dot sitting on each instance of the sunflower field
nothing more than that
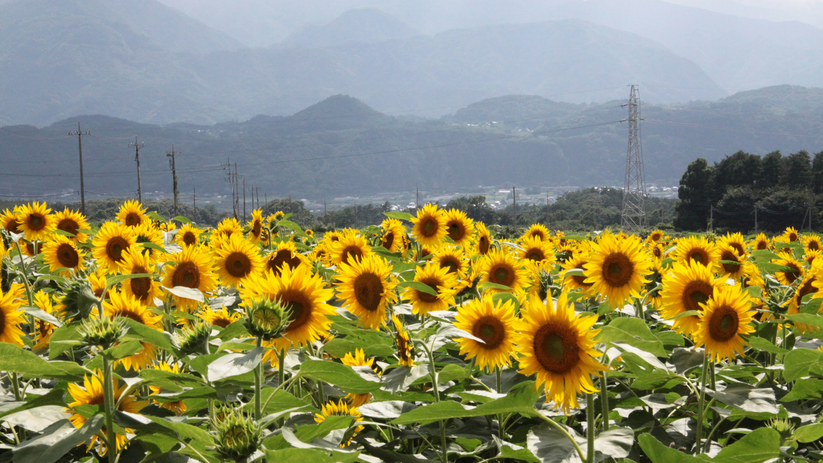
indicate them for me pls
(422, 339)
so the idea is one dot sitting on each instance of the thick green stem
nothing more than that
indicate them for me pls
(590, 422)
(604, 401)
(108, 406)
(500, 432)
(258, 385)
(15, 385)
(701, 401)
(563, 431)
(444, 446)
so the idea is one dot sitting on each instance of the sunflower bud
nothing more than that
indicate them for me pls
(266, 319)
(237, 435)
(783, 426)
(77, 302)
(195, 339)
(103, 332)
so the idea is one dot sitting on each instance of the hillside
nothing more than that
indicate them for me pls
(361, 25)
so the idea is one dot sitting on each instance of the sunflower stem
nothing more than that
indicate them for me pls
(258, 385)
(700, 401)
(604, 401)
(108, 406)
(500, 431)
(563, 431)
(590, 428)
(15, 385)
(24, 268)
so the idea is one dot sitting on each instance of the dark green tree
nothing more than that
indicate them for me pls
(817, 173)
(475, 208)
(741, 169)
(770, 177)
(797, 171)
(695, 196)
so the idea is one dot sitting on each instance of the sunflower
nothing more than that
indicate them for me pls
(98, 282)
(440, 281)
(494, 324)
(459, 227)
(62, 253)
(728, 254)
(736, 241)
(811, 242)
(761, 243)
(405, 350)
(577, 259)
(794, 272)
(557, 346)
(304, 295)
(482, 240)
(279, 215)
(350, 247)
(237, 261)
(657, 251)
(144, 289)
(123, 305)
(451, 256)
(227, 227)
(256, 226)
(726, 316)
(221, 318)
(132, 214)
(812, 256)
(8, 220)
(357, 360)
(808, 286)
(149, 238)
(392, 235)
(285, 253)
(43, 329)
(537, 231)
(657, 236)
(178, 407)
(617, 270)
(684, 289)
(35, 221)
(340, 408)
(191, 268)
(538, 255)
(697, 249)
(790, 235)
(110, 243)
(367, 287)
(502, 268)
(188, 235)
(430, 226)
(92, 394)
(72, 222)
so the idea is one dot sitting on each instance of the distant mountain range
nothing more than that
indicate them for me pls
(342, 147)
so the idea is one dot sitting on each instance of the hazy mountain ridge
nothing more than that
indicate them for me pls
(361, 25)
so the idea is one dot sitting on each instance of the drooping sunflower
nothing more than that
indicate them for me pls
(405, 350)
(367, 286)
(98, 282)
(482, 239)
(697, 249)
(728, 254)
(72, 222)
(761, 243)
(149, 239)
(144, 289)
(796, 270)
(357, 360)
(227, 227)
(430, 226)
(178, 407)
(502, 268)
(256, 226)
(808, 286)
(92, 394)
(494, 324)
(285, 253)
(123, 305)
(617, 269)
(42, 329)
(237, 261)
(340, 408)
(726, 317)
(188, 235)
(221, 318)
(110, 243)
(452, 257)
(811, 242)
(538, 255)
(304, 295)
(537, 231)
(351, 247)
(556, 345)
(392, 235)
(191, 268)
(35, 220)
(132, 214)
(440, 281)
(62, 253)
(8, 220)
(684, 289)
(790, 235)
(459, 227)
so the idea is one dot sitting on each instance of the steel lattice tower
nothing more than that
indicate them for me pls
(634, 190)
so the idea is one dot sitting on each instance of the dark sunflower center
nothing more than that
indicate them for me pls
(792, 236)
(37, 222)
(299, 306)
(762, 245)
(656, 236)
(256, 228)
(807, 288)
(538, 234)
(67, 256)
(388, 240)
(429, 227)
(483, 245)
(222, 322)
(700, 256)
(729, 268)
(275, 264)
(456, 230)
(724, 324)
(502, 274)
(140, 286)
(189, 239)
(432, 283)
(556, 349)
(186, 274)
(68, 226)
(13, 226)
(617, 269)
(451, 263)
(657, 252)
(238, 265)
(351, 253)
(792, 274)
(132, 219)
(535, 254)
(115, 248)
(737, 247)
(491, 330)
(2, 322)
(695, 293)
(368, 290)
(129, 315)
(814, 245)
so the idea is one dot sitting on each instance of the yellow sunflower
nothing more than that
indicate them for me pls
(42, 329)
(285, 253)
(459, 227)
(537, 254)
(62, 253)
(405, 350)
(367, 287)
(144, 289)
(696, 248)
(438, 279)
(110, 243)
(761, 243)
(812, 256)
(736, 241)
(482, 240)
(727, 253)
(9, 221)
(221, 318)
(577, 260)
(35, 220)
(796, 270)
(178, 407)
(256, 226)
(304, 295)
(494, 324)
(556, 345)
(451, 256)
(72, 222)
(237, 261)
(811, 242)
(790, 235)
(617, 270)
(132, 214)
(656, 236)
(538, 231)
(92, 394)
(227, 227)
(98, 282)
(808, 286)
(357, 360)
(392, 235)
(351, 246)
(340, 408)
(430, 226)
(123, 305)
(502, 268)
(725, 318)
(684, 289)
(146, 233)
(191, 268)
(188, 235)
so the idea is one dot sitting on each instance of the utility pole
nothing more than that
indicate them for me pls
(174, 176)
(194, 198)
(417, 196)
(244, 199)
(755, 218)
(325, 211)
(80, 134)
(514, 203)
(634, 189)
(237, 189)
(137, 147)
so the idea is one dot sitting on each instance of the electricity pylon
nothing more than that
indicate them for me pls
(634, 189)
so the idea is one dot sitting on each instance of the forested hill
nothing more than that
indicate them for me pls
(342, 147)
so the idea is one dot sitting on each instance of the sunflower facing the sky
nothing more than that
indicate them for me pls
(226, 228)
(35, 221)
(62, 253)
(191, 268)
(144, 289)
(237, 261)
(684, 289)
(726, 317)
(459, 227)
(367, 287)
(502, 268)
(123, 305)
(494, 324)
(697, 249)
(617, 269)
(110, 243)
(72, 222)
(556, 345)
(440, 281)
(430, 226)
(132, 214)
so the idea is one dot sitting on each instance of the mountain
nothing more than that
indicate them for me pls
(361, 25)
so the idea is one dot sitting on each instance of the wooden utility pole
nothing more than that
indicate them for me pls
(417, 196)
(194, 198)
(514, 202)
(244, 199)
(80, 134)
(237, 189)
(174, 177)
(137, 147)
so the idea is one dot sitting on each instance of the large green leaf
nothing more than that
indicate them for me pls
(550, 445)
(765, 345)
(235, 364)
(756, 447)
(634, 332)
(808, 433)
(432, 412)
(748, 399)
(337, 374)
(659, 453)
(148, 335)
(806, 388)
(807, 319)
(63, 339)
(800, 362)
(56, 441)
(293, 455)
(14, 359)
(399, 215)
(183, 431)
(53, 397)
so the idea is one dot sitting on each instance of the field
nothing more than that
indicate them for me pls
(422, 338)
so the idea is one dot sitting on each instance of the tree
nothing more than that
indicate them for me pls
(741, 169)
(817, 173)
(475, 208)
(694, 194)
(797, 170)
(770, 176)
